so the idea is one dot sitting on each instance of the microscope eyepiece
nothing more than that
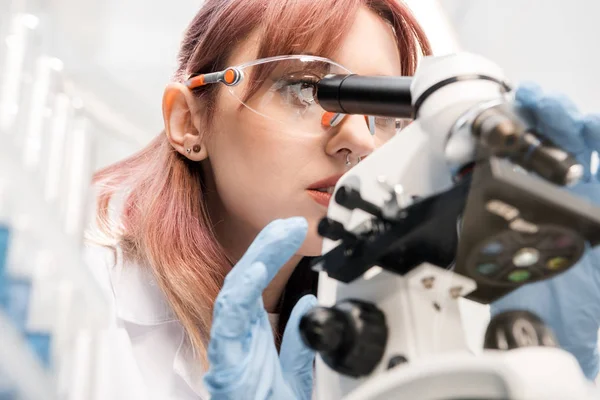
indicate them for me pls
(385, 96)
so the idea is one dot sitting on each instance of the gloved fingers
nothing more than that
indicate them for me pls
(536, 297)
(591, 134)
(586, 350)
(238, 365)
(274, 245)
(587, 190)
(239, 303)
(577, 309)
(296, 358)
(591, 131)
(556, 117)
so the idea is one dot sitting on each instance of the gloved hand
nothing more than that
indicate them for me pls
(569, 303)
(244, 363)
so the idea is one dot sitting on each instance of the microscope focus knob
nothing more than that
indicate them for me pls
(515, 329)
(323, 329)
(334, 230)
(350, 336)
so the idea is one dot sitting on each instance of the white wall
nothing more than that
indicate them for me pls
(132, 44)
(122, 54)
(551, 42)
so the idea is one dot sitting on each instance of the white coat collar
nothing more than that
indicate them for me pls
(138, 298)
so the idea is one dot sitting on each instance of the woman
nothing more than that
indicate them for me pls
(234, 156)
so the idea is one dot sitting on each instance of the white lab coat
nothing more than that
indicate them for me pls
(148, 356)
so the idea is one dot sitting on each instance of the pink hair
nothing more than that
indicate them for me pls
(164, 221)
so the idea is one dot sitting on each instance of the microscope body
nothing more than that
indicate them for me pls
(399, 331)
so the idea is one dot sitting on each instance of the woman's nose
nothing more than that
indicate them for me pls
(352, 134)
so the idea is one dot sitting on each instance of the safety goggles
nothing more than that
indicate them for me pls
(283, 89)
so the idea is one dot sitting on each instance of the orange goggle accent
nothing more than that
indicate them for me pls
(230, 76)
(333, 119)
(195, 82)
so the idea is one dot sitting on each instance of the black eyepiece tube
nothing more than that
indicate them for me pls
(385, 96)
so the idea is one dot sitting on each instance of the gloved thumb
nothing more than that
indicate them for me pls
(295, 357)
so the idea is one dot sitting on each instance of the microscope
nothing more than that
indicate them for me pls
(467, 202)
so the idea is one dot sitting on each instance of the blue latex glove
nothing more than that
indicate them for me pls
(569, 303)
(244, 363)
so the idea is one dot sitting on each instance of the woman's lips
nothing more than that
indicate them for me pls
(323, 198)
(322, 190)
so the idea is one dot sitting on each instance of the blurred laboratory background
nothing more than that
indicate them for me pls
(81, 86)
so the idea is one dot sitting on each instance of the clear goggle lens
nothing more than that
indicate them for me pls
(284, 89)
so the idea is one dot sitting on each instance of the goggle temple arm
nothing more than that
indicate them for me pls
(230, 77)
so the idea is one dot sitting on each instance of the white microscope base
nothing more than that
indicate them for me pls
(531, 373)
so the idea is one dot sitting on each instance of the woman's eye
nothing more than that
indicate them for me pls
(307, 92)
(300, 94)
(396, 124)
(402, 123)
(386, 123)
(298, 88)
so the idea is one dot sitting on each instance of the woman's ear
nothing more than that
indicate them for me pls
(183, 122)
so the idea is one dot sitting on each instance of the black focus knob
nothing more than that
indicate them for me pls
(351, 199)
(323, 329)
(334, 230)
(515, 329)
(350, 336)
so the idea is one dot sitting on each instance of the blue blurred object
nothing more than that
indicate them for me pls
(570, 302)
(244, 363)
(8, 394)
(15, 301)
(7, 389)
(4, 237)
(15, 297)
(39, 343)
